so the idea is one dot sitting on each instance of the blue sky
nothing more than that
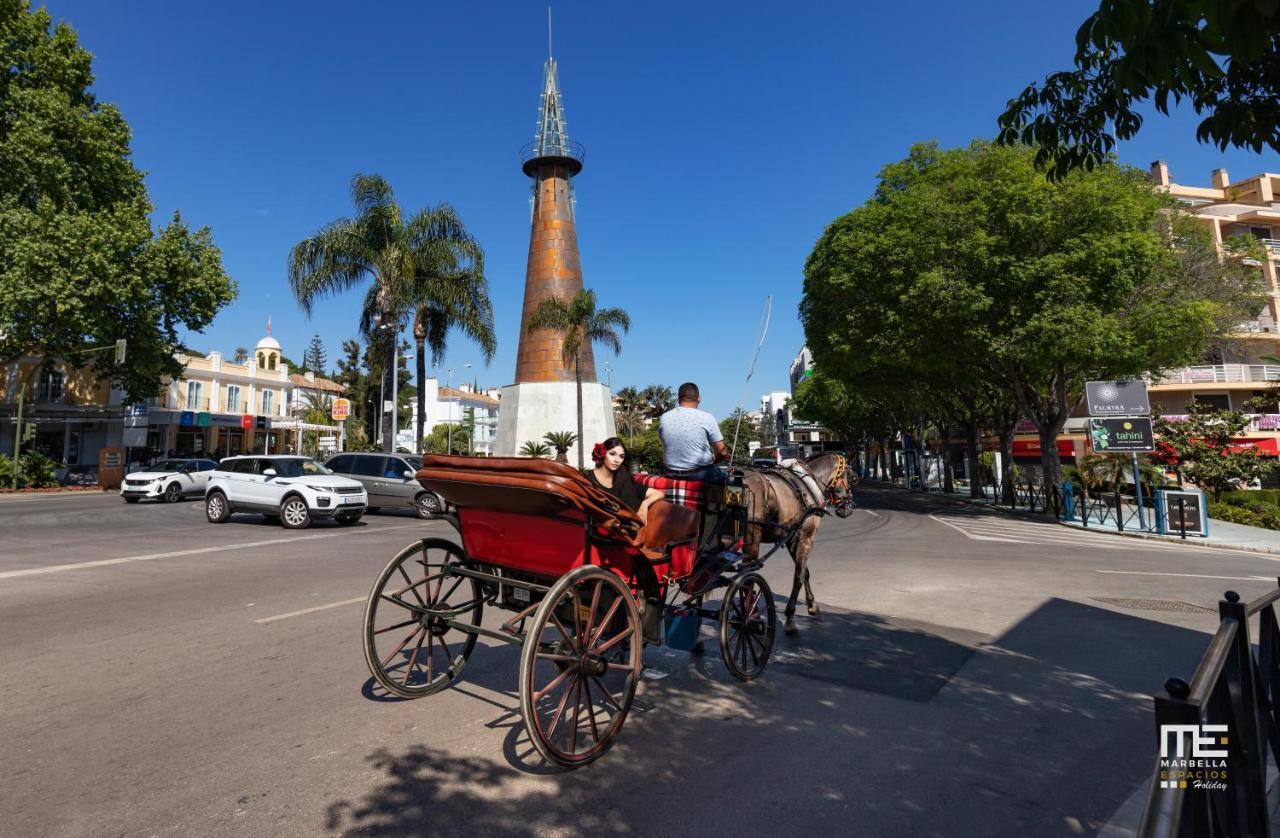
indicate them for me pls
(721, 138)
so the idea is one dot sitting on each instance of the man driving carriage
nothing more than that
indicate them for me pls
(692, 444)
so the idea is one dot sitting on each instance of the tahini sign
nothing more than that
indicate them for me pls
(1122, 435)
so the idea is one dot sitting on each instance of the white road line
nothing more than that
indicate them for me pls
(7, 499)
(1101, 542)
(869, 511)
(311, 610)
(1191, 575)
(976, 537)
(196, 551)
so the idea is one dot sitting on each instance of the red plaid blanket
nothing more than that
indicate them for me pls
(680, 492)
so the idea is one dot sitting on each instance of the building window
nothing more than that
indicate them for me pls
(266, 402)
(194, 395)
(51, 387)
(271, 362)
(233, 399)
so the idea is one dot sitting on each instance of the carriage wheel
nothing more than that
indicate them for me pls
(411, 653)
(580, 665)
(748, 619)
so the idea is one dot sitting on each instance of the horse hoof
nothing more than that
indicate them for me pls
(815, 612)
(790, 628)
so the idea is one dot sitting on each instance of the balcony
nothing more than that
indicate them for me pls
(1218, 374)
(1272, 246)
(197, 405)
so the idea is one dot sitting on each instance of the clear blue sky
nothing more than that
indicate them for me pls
(721, 138)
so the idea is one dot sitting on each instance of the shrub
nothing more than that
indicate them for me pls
(1270, 519)
(37, 471)
(1232, 514)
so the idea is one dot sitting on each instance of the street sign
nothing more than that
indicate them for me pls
(135, 438)
(1179, 511)
(341, 409)
(121, 345)
(1110, 436)
(1127, 397)
(187, 418)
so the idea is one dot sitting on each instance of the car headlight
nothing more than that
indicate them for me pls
(319, 488)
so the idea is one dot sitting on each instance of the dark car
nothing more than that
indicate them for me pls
(389, 479)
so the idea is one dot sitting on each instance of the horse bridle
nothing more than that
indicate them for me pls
(841, 504)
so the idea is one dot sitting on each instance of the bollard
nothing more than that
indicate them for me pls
(1119, 513)
(1084, 508)
(1182, 518)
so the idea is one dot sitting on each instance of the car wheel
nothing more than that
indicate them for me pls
(216, 508)
(131, 500)
(294, 513)
(427, 505)
(172, 493)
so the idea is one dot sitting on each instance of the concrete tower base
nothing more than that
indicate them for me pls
(533, 408)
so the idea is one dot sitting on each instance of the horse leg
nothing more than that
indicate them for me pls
(789, 624)
(806, 545)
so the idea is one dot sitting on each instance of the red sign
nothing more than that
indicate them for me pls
(246, 421)
(1267, 447)
(341, 409)
(1031, 448)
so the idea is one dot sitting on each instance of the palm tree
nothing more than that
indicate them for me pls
(582, 324)
(380, 245)
(535, 449)
(240, 355)
(629, 399)
(630, 422)
(562, 441)
(658, 400)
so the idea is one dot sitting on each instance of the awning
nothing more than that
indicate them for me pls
(1031, 448)
(1266, 446)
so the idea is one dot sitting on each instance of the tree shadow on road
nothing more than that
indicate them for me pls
(1042, 731)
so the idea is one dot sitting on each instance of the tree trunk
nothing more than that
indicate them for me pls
(421, 361)
(388, 444)
(948, 482)
(577, 375)
(1050, 462)
(972, 466)
(1006, 465)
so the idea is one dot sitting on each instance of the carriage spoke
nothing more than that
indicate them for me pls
(615, 640)
(430, 656)
(577, 613)
(577, 703)
(549, 687)
(407, 606)
(564, 699)
(591, 612)
(591, 709)
(595, 638)
(449, 593)
(413, 659)
(608, 695)
(552, 656)
(564, 632)
(397, 626)
(411, 586)
(448, 655)
(403, 643)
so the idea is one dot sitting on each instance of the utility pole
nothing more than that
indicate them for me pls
(17, 435)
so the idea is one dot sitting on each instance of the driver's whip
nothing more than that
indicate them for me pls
(746, 387)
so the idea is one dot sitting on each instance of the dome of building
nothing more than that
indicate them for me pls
(268, 343)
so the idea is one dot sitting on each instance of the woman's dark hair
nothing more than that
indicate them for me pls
(614, 442)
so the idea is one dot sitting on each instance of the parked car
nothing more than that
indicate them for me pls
(389, 479)
(297, 490)
(82, 475)
(170, 480)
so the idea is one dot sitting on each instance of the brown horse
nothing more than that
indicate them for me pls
(779, 515)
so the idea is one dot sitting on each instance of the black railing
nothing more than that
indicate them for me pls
(1234, 687)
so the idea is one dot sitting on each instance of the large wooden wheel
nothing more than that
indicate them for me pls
(410, 649)
(748, 619)
(580, 665)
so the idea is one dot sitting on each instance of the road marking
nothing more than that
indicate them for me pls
(310, 610)
(7, 498)
(869, 512)
(970, 535)
(196, 551)
(1191, 575)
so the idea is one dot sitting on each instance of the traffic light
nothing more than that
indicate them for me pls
(28, 431)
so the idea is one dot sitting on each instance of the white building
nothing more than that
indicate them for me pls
(450, 405)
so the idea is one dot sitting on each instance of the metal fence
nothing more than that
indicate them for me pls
(1236, 687)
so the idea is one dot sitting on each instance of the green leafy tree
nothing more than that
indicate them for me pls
(562, 441)
(581, 324)
(80, 263)
(438, 441)
(535, 449)
(967, 269)
(380, 246)
(630, 422)
(1201, 447)
(1221, 57)
(315, 359)
(658, 399)
(240, 356)
(629, 399)
(767, 429)
(740, 426)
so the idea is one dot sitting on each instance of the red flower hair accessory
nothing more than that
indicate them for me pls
(597, 453)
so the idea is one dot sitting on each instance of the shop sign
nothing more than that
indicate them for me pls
(1179, 510)
(1125, 397)
(187, 418)
(1031, 448)
(341, 409)
(135, 437)
(202, 419)
(261, 423)
(225, 420)
(246, 421)
(1266, 446)
(1122, 435)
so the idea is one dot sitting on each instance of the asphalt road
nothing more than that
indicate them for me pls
(971, 675)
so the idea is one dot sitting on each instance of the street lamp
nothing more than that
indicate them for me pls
(608, 369)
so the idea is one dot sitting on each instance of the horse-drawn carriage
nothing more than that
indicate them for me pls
(587, 584)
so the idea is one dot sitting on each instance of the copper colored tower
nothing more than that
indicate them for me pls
(554, 270)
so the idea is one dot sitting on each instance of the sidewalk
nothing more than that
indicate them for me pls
(1221, 533)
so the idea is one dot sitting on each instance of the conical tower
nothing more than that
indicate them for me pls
(544, 395)
(554, 269)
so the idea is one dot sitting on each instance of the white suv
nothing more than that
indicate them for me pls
(297, 490)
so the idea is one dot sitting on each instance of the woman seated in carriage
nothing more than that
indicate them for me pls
(612, 475)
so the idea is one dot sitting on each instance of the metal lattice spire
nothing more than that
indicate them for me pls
(552, 138)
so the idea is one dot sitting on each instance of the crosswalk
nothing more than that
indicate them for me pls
(978, 525)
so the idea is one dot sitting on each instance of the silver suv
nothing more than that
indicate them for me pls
(389, 479)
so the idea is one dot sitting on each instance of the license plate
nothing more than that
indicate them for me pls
(351, 500)
(520, 594)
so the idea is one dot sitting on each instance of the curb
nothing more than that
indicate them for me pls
(1034, 516)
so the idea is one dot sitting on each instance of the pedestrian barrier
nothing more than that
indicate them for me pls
(1232, 695)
